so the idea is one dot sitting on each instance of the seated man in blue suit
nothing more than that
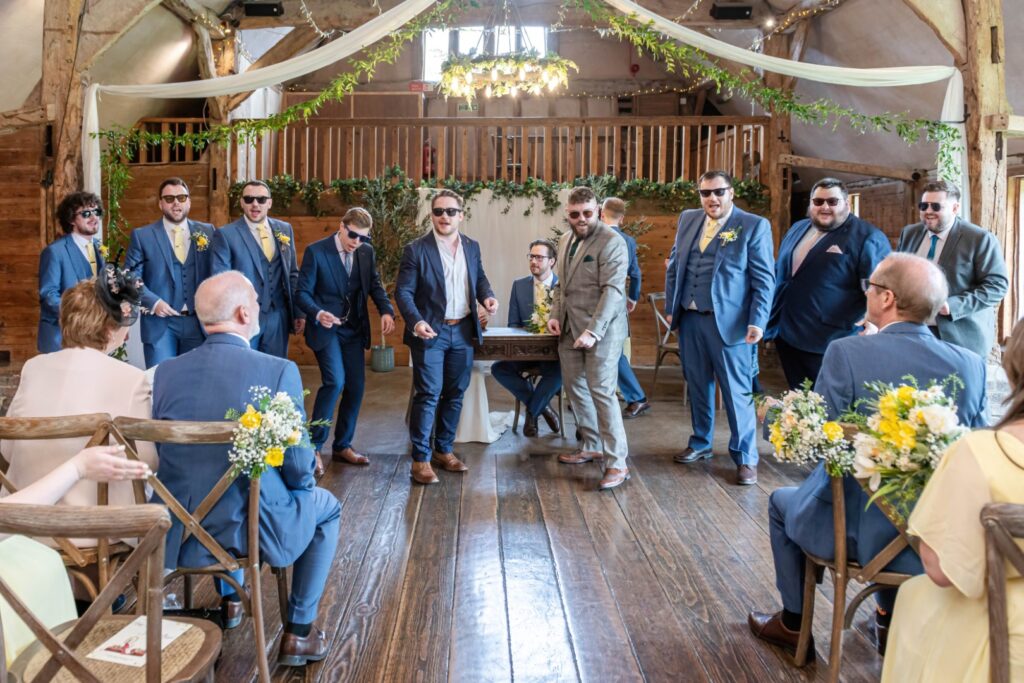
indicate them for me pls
(298, 522)
(902, 293)
(718, 291)
(818, 298)
(338, 275)
(172, 256)
(613, 210)
(67, 261)
(509, 373)
(263, 249)
(440, 277)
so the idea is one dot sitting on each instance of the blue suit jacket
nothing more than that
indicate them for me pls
(898, 350)
(234, 248)
(202, 385)
(520, 304)
(151, 255)
(824, 300)
(419, 287)
(743, 280)
(633, 269)
(321, 283)
(61, 265)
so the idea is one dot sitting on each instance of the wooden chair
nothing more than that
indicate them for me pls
(1004, 524)
(843, 569)
(105, 555)
(190, 657)
(663, 335)
(127, 431)
(532, 375)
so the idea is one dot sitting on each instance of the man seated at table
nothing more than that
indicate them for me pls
(527, 293)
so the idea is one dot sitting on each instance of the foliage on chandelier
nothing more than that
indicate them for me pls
(500, 75)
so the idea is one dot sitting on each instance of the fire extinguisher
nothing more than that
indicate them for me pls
(428, 166)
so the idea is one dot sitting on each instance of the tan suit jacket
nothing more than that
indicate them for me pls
(591, 291)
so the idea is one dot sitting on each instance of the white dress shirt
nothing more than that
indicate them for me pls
(456, 279)
(255, 230)
(926, 244)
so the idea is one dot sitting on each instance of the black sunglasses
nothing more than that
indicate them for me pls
(831, 201)
(168, 198)
(89, 213)
(718, 192)
(587, 213)
(452, 211)
(353, 235)
(248, 199)
(934, 206)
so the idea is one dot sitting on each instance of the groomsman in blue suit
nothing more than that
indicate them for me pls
(718, 291)
(902, 293)
(509, 373)
(613, 210)
(440, 278)
(67, 261)
(172, 256)
(338, 275)
(298, 522)
(818, 298)
(263, 249)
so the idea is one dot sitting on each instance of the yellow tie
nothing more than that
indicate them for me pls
(710, 230)
(180, 250)
(90, 254)
(267, 241)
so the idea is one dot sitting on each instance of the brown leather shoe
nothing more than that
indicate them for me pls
(551, 418)
(769, 628)
(231, 613)
(613, 478)
(635, 409)
(746, 475)
(448, 461)
(577, 458)
(350, 456)
(423, 473)
(297, 651)
(318, 467)
(530, 425)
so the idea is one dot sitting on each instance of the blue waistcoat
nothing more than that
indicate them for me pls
(700, 268)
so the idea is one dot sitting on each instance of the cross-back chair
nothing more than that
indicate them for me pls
(128, 431)
(663, 335)
(60, 653)
(96, 426)
(1004, 528)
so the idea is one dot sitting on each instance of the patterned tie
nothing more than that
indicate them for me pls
(180, 250)
(931, 249)
(90, 255)
(710, 230)
(266, 240)
(346, 259)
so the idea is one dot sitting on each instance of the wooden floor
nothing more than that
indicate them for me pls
(521, 570)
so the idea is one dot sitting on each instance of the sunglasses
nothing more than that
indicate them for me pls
(718, 192)
(821, 201)
(587, 213)
(170, 198)
(89, 213)
(353, 235)
(934, 206)
(452, 211)
(259, 200)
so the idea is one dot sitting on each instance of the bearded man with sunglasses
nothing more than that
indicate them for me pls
(338, 275)
(67, 261)
(263, 249)
(718, 291)
(172, 257)
(821, 262)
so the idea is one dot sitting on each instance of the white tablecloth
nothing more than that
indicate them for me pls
(477, 423)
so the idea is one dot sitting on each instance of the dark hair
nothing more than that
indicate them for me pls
(951, 190)
(172, 181)
(582, 195)
(828, 184)
(250, 183)
(711, 175)
(548, 244)
(1013, 364)
(71, 205)
(446, 193)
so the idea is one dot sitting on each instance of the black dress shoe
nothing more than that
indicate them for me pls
(551, 418)
(690, 455)
(530, 425)
(297, 651)
(635, 409)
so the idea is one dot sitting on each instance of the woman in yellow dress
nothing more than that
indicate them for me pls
(940, 623)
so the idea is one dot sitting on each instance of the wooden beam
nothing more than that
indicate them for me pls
(11, 121)
(796, 51)
(208, 69)
(1008, 124)
(871, 170)
(295, 42)
(778, 142)
(217, 155)
(191, 12)
(946, 19)
(104, 23)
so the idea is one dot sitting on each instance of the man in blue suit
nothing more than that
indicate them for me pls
(818, 298)
(509, 373)
(718, 290)
(613, 210)
(440, 277)
(172, 256)
(338, 275)
(263, 249)
(902, 293)
(67, 261)
(298, 522)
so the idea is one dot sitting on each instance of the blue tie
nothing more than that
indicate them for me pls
(931, 249)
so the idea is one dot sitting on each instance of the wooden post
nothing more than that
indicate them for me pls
(780, 130)
(217, 58)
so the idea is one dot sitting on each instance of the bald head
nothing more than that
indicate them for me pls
(917, 286)
(227, 302)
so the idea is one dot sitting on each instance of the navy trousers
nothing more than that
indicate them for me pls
(273, 336)
(798, 365)
(629, 385)
(342, 371)
(509, 374)
(183, 334)
(440, 375)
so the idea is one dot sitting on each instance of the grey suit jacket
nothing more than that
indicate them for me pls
(591, 291)
(972, 260)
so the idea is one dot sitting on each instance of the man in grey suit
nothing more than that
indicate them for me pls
(972, 260)
(589, 313)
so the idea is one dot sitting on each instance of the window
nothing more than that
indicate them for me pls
(469, 39)
(503, 40)
(435, 51)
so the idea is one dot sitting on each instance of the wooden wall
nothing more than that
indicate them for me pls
(885, 206)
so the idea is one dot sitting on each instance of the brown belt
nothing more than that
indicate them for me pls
(453, 322)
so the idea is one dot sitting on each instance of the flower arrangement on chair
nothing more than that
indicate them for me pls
(271, 424)
(800, 431)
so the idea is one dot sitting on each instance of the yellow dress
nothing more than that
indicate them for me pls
(941, 634)
(35, 573)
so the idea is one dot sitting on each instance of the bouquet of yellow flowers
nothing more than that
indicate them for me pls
(538, 322)
(271, 424)
(903, 436)
(801, 432)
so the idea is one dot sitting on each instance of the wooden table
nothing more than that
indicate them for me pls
(515, 343)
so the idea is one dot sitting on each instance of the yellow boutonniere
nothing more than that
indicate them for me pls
(284, 239)
(727, 236)
(104, 251)
(201, 241)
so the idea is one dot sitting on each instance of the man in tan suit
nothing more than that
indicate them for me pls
(589, 313)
